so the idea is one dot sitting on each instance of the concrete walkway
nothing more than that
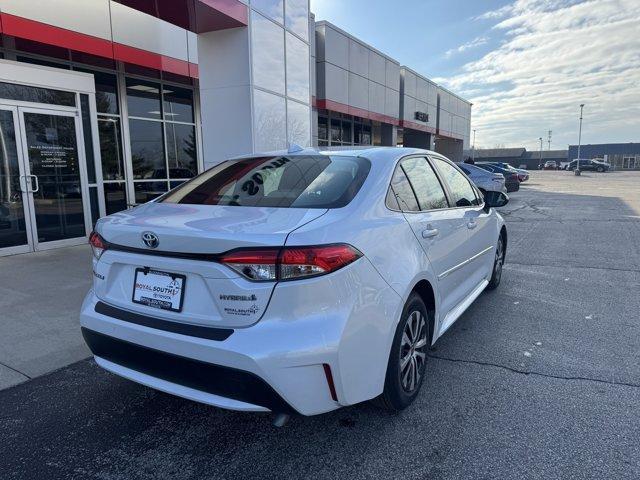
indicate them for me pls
(40, 297)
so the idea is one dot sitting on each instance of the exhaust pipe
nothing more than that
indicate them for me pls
(280, 420)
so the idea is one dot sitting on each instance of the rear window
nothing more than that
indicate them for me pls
(314, 181)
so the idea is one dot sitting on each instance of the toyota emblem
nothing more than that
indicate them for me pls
(150, 239)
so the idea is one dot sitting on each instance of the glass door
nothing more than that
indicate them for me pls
(15, 232)
(51, 149)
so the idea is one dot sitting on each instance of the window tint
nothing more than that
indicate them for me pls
(296, 182)
(404, 193)
(425, 183)
(462, 191)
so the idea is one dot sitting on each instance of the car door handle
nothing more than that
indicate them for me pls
(430, 232)
(472, 224)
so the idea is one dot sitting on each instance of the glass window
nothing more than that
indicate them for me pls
(296, 182)
(147, 149)
(271, 8)
(147, 191)
(178, 103)
(362, 134)
(267, 41)
(25, 93)
(143, 99)
(115, 198)
(106, 91)
(298, 124)
(297, 69)
(461, 189)
(270, 121)
(297, 17)
(336, 131)
(346, 132)
(403, 191)
(181, 150)
(44, 63)
(88, 138)
(323, 133)
(425, 184)
(110, 148)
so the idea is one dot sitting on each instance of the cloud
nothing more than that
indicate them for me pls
(555, 55)
(476, 42)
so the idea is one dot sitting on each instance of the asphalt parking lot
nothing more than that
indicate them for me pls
(538, 379)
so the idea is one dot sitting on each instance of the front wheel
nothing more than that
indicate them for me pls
(600, 169)
(407, 361)
(496, 274)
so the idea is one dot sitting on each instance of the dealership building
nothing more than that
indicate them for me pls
(106, 104)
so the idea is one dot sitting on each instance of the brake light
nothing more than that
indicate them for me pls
(290, 263)
(98, 244)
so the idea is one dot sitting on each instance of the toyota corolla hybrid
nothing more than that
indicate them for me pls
(294, 282)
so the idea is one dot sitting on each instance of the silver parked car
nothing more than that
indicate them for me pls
(485, 180)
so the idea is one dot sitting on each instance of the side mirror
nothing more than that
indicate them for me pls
(495, 199)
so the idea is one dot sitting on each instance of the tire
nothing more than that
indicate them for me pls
(600, 169)
(496, 273)
(403, 382)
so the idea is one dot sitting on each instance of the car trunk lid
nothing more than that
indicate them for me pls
(189, 240)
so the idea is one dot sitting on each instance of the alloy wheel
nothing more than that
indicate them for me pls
(497, 266)
(412, 351)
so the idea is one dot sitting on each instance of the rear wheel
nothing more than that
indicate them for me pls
(600, 169)
(407, 361)
(496, 274)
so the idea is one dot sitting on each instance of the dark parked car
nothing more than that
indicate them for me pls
(589, 165)
(511, 181)
(523, 175)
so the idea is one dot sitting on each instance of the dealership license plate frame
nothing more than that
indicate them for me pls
(174, 276)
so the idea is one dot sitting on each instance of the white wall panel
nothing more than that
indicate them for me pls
(422, 89)
(377, 67)
(192, 46)
(336, 49)
(358, 58)
(137, 29)
(410, 84)
(409, 106)
(376, 97)
(90, 17)
(392, 103)
(393, 75)
(358, 91)
(336, 83)
(224, 60)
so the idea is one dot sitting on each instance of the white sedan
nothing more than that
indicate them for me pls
(293, 282)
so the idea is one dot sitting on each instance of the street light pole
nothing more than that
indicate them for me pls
(577, 171)
(540, 161)
(473, 149)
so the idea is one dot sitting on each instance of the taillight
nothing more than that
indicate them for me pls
(98, 244)
(290, 263)
(259, 265)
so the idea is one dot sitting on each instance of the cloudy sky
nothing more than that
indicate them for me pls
(526, 65)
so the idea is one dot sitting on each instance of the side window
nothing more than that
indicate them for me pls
(403, 192)
(425, 183)
(461, 189)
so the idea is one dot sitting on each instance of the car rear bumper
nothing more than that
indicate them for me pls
(323, 343)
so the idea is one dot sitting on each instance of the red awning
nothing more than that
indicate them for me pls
(198, 16)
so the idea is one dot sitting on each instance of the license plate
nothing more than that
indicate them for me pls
(159, 289)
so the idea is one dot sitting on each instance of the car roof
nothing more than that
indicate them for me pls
(369, 152)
